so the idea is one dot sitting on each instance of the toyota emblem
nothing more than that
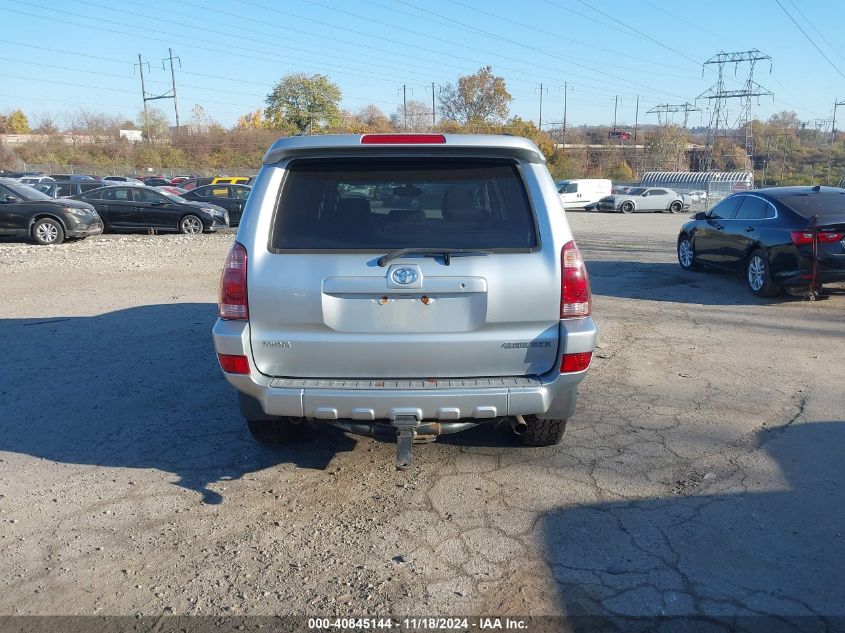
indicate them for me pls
(404, 276)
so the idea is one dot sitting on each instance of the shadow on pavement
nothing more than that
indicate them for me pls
(658, 281)
(135, 388)
(735, 554)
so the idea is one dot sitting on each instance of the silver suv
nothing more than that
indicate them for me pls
(408, 284)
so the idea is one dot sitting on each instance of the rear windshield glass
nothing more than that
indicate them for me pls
(824, 205)
(376, 204)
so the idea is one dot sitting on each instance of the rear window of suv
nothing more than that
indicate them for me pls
(374, 204)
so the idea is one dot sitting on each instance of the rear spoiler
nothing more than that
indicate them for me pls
(453, 145)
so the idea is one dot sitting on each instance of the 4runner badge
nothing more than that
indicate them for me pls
(526, 344)
(282, 344)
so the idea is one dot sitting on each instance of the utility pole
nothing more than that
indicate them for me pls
(836, 104)
(405, 105)
(540, 123)
(143, 97)
(433, 110)
(783, 162)
(636, 120)
(615, 106)
(143, 90)
(173, 79)
(565, 90)
(766, 161)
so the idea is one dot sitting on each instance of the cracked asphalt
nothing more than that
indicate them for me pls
(700, 474)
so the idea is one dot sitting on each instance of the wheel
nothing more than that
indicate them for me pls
(686, 254)
(542, 432)
(48, 231)
(676, 207)
(758, 275)
(190, 225)
(273, 431)
(627, 207)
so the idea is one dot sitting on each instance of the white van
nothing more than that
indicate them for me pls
(579, 193)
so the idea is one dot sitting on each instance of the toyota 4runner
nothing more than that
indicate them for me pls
(413, 284)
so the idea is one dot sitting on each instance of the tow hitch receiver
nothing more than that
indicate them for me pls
(406, 431)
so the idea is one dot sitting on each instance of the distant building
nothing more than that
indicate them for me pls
(133, 136)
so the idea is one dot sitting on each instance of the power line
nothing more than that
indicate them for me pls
(627, 55)
(451, 23)
(486, 52)
(98, 25)
(809, 39)
(812, 26)
(206, 29)
(630, 28)
(356, 44)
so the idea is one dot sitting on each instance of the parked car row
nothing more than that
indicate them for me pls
(186, 181)
(27, 211)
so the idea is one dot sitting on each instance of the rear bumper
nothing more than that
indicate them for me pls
(826, 275)
(552, 395)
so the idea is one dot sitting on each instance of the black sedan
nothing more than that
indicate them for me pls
(26, 212)
(768, 235)
(230, 197)
(141, 207)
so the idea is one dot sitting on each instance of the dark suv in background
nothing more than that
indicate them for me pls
(26, 212)
(66, 188)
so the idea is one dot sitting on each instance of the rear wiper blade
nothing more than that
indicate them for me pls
(429, 252)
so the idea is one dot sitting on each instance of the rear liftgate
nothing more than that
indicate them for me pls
(408, 429)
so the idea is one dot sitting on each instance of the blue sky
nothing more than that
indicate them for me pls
(59, 55)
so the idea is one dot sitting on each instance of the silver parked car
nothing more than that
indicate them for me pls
(648, 199)
(400, 284)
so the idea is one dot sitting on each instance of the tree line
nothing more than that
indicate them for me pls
(302, 103)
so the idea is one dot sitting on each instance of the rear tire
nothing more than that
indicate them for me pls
(48, 231)
(274, 431)
(627, 207)
(542, 432)
(758, 275)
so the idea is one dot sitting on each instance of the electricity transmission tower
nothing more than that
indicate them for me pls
(668, 140)
(671, 108)
(718, 96)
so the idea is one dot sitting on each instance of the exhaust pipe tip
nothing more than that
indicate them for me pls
(519, 425)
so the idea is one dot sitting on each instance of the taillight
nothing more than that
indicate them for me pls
(233, 364)
(800, 238)
(575, 284)
(233, 301)
(575, 362)
(402, 139)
